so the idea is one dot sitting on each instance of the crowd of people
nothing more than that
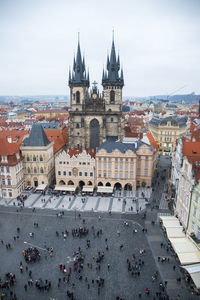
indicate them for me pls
(31, 254)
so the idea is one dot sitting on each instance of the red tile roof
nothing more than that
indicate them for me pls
(76, 151)
(17, 136)
(192, 151)
(152, 141)
(7, 148)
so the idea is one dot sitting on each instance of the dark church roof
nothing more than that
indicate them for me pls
(122, 147)
(78, 75)
(37, 137)
(175, 121)
(111, 75)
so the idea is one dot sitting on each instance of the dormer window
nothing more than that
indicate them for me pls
(4, 158)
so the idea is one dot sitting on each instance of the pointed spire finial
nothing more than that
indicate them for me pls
(113, 32)
(78, 37)
(70, 77)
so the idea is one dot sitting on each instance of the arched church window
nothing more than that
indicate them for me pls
(29, 170)
(77, 125)
(112, 97)
(41, 170)
(35, 170)
(77, 97)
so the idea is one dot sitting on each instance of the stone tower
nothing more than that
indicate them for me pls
(94, 118)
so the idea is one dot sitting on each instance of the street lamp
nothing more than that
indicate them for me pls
(35, 246)
(75, 208)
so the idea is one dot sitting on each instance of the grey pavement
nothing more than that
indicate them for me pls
(118, 280)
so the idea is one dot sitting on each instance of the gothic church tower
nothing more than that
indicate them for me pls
(94, 118)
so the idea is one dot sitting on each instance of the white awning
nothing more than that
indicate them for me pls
(88, 189)
(183, 245)
(175, 232)
(194, 271)
(105, 189)
(167, 218)
(65, 188)
(171, 223)
(41, 187)
(189, 258)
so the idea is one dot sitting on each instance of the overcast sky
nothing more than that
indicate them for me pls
(158, 41)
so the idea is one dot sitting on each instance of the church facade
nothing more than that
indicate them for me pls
(95, 118)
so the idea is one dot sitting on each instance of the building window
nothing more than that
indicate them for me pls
(121, 166)
(104, 175)
(109, 174)
(126, 175)
(116, 166)
(80, 173)
(116, 159)
(10, 194)
(77, 97)
(41, 170)
(146, 164)
(91, 174)
(139, 163)
(146, 173)
(111, 119)
(9, 182)
(70, 173)
(77, 125)
(193, 226)
(34, 158)
(121, 175)
(2, 169)
(194, 211)
(99, 175)
(131, 167)
(35, 170)
(131, 159)
(85, 173)
(138, 172)
(28, 158)
(109, 166)
(116, 175)
(99, 158)
(109, 159)
(131, 175)
(198, 232)
(41, 158)
(64, 173)
(59, 173)
(112, 97)
(29, 170)
(3, 181)
(147, 158)
(126, 167)
(104, 159)
(7, 169)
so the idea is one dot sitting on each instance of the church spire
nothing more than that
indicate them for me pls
(113, 67)
(79, 74)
